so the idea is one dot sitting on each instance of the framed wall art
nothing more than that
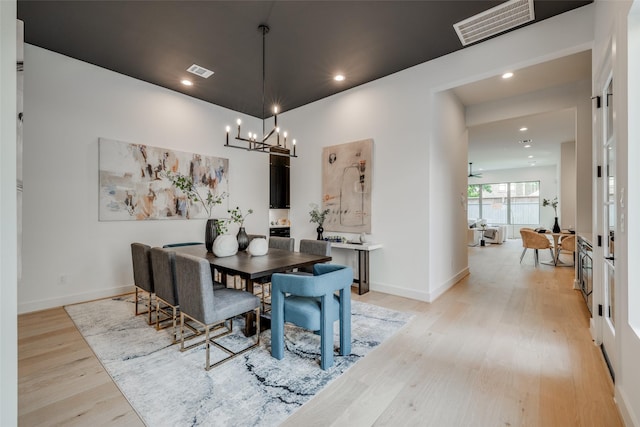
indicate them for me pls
(134, 185)
(346, 186)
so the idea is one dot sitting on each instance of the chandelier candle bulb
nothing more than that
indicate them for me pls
(228, 130)
(294, 147)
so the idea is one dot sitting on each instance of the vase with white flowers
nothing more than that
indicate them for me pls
(185, 184)
(554, 204)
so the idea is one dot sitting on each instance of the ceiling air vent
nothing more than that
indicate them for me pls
(200, 71)
(494, 21)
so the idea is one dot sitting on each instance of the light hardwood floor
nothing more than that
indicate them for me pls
(507, 346)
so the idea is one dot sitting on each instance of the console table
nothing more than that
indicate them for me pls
(363, 250)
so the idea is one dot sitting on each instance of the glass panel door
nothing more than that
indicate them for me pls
(608, 189)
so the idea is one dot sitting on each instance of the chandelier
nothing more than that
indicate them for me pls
(251, 141)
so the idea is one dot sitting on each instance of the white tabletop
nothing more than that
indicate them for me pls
(357, 246)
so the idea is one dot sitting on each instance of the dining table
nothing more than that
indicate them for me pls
(253, 268)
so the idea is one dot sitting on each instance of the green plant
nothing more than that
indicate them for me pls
(551, 202)
(237, 216)
(185, 184)
(317, 215)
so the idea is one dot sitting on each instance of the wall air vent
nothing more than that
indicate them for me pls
(494, 21)
(200, 71)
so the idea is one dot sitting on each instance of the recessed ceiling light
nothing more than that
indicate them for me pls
(531, 157)
(338, 77)
(507, 75)
(186, 82)
(527, 146)
(522, 129)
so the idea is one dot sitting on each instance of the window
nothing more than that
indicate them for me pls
(505, 203)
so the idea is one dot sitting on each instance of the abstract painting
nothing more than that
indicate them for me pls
(134, 186)
(346, 186)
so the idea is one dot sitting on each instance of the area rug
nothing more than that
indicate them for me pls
(167, 387)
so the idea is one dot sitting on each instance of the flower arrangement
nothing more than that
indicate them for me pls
(238, 217)
(551, 202)
(185, 184)
(317, 215)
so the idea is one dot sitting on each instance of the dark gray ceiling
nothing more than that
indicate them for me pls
(309, 41)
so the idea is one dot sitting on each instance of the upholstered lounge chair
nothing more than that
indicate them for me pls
(311, 303)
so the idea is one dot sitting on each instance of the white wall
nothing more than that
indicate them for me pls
(8, 220)
(568, 185)
(611, 41)
(69, 255)
(447, 233)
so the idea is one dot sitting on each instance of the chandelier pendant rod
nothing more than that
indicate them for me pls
(253, 143)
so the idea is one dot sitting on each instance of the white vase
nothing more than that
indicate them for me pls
(225, 245)
(258, 247)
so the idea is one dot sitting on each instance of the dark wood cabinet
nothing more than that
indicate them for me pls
(279, 181)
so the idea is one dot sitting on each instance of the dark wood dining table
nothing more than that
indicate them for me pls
(251, 268)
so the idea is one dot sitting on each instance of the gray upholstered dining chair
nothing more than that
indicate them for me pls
(263, 290)
(315, 247)
(143, 278)
(163, 265)
(286, 243)
(210, 310)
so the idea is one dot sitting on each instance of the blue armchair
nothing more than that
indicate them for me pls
(311, 303)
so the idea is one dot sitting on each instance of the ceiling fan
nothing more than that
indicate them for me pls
(471, 174)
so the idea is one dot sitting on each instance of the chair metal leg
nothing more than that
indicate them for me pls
(522, 256)
(535, 257)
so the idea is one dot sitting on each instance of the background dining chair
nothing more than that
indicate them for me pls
(566, 244)
(315, 247)
(163, 265)
(175, 245)
(142, 277)
(311, 303)
(286, 243)
(262, 286)
(210, 309)
(535, 241)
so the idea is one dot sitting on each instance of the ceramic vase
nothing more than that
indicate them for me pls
(243, 239)
(320, 230)
(210, 233)
(556, 226)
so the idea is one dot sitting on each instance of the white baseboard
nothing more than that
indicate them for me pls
(448, 284)
(629, 418)
(30, 306)
(420, 295)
